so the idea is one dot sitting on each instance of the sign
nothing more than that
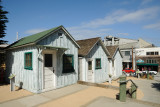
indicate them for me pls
(140, 61)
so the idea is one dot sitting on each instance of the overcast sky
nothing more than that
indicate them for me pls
(85, 18)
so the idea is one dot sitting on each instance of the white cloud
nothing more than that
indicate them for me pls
(124, 34)
(123, 16)
(81, 33)
(139, 15)
(96, 27)
(33, 31)
(146, 2)
(155, 26)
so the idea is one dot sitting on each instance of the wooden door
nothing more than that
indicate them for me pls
(48, 71)
(90, 71)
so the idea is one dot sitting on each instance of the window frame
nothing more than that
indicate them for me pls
(28, 67)
(156, 53)
(100, 63)
(126, 53)
(71, 70)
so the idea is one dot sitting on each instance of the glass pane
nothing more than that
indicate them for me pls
(127, 53)
(98, 63)
(48, 60)
(67, 64)
(89, 65)
(152, 53)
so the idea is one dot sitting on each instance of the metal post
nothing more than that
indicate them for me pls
(122, 89)
(147, 74)
(133, 91)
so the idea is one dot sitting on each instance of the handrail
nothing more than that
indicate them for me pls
(127, 81)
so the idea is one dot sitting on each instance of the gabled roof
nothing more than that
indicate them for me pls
(87, 45)
(112, 50)
(33, 39)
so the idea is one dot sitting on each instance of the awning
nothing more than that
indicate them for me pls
(52, 47)
(147, 64)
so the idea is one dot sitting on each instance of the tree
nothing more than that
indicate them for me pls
(3, 21)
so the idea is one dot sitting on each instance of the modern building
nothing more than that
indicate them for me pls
(148, 59)
(127, 48)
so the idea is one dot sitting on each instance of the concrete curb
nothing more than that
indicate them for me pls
(98, 85)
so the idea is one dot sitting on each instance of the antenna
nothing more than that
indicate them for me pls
(17, 35)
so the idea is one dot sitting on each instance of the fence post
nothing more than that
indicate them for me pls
(147, 74)
(122, 88)
(133, 91)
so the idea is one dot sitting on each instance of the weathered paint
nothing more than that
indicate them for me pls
(33, 79)
(15, 65)
(99, 75)
(62, 79)
(118, 64)
(115, 65)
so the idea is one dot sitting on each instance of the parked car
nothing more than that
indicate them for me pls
(128, 70)
(151, 72)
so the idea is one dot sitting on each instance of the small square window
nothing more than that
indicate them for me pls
(152, 53)
(127, 53)
(147, 53)
(98, 63)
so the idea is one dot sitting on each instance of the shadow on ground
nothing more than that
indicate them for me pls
(156, 85)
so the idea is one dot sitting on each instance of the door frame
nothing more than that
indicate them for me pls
(54, 59)
(90, 59)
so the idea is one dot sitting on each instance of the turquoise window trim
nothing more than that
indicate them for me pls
(100, 63)
(72, 70)
(30, 67)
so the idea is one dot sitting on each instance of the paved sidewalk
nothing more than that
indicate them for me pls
(38, 99)
(150, 89)
(108, 102)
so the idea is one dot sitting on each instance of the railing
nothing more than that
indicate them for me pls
(122, 88)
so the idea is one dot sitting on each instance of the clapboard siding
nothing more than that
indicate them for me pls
(100, 75)
(15, 65)
(118, 64)
(65, 42)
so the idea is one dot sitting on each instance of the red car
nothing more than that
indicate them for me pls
(128, 70)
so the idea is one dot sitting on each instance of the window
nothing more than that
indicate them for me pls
(152, 53)
(28, 60)
(127, 53)
(98, 63)
(153, 61)
(89, 65)
(147, 53)
(68, 63)
(48, 60)
(156, 53)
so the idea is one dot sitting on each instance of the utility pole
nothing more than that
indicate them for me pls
(17, 36)
(132, 57)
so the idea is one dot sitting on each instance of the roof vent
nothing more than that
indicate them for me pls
(59, 34)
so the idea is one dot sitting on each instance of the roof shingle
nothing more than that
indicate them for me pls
(86, 45)
(112, 50)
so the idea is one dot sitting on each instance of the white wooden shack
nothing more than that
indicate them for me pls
(44, 61)
(93, 60)
(115, 61)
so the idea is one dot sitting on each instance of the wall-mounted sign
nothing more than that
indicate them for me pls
(140, 61)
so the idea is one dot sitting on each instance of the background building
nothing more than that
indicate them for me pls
(148, 59)
(127, 47)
